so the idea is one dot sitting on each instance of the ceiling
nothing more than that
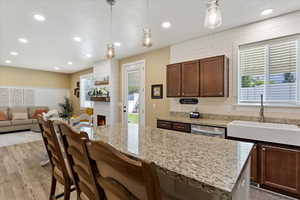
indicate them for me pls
(51, 43)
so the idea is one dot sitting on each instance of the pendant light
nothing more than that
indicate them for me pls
(110, 46)
(213, 18)
(147, 30)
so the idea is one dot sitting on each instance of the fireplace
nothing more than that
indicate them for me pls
(101, 120)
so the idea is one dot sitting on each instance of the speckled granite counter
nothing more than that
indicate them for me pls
(211, 164)
(200, 121)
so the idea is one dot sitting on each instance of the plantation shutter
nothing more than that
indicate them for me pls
(252, 73)
(282, 72)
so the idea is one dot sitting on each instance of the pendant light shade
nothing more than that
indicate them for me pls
(110, 51)
(213, 18)
(110, 47)
(147, 38)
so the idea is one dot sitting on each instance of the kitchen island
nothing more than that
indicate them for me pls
(200, 166)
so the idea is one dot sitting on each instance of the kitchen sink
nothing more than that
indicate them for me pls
(267, 132)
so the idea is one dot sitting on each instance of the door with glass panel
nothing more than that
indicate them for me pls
(133, 90)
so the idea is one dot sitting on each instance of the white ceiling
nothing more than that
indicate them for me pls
(51, 44)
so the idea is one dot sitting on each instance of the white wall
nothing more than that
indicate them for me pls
(50, 97)
(227, 43)
(109, 109)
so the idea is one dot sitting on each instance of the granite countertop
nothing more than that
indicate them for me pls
(200, 121)
(208, 163)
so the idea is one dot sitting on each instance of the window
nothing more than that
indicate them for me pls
(269, 68)
(86, 83)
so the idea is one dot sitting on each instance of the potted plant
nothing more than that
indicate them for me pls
(66, 109)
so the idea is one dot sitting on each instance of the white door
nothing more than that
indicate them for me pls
(134, 95)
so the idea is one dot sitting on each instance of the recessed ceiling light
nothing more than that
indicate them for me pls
(266, 12)
(23, 40)
(166, 24)
(39, 17)
(13, 53)
(56, 68)
(8, 61)
(70, 63)
(117, 44)
(77, 39)
(88, 55)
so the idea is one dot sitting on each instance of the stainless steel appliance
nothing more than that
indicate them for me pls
(208, 130)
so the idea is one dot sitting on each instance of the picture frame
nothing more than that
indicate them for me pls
(157, 91)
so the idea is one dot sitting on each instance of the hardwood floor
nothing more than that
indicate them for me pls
(22, 177)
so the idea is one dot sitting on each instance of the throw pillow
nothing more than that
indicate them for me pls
(19, 116)
(3, 116)
(39, 112)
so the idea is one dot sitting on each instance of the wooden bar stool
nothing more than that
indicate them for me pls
(121, 177)
(80, 164)
(59, 169)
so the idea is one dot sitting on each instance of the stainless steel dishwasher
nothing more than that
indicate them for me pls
(208, 130)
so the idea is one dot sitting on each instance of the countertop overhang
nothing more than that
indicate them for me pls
(201, 161)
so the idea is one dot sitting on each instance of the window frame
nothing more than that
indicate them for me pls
(267, 44)
(85, 76)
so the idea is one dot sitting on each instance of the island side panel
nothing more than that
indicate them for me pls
(241, 190)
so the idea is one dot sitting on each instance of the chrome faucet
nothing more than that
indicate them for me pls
(261, 111)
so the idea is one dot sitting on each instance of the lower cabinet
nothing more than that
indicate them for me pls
(275, 167)
(280, 168)
(176, 126)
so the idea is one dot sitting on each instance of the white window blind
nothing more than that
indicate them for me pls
(269, 69)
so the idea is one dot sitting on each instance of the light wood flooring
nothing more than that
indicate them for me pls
(22, 177)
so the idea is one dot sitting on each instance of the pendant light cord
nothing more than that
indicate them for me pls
(148, 13)
(111, 20)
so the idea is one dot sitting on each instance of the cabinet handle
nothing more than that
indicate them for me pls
(263, 149)
(183, 93)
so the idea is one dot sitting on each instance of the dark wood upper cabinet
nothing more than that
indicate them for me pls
(254, 164)
(190, 85)
(280, 168)
(207, 77)
(213, 77)
(174, 80)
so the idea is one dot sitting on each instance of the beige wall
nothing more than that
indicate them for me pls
(73, 80)
(13, 76)
(156, 62)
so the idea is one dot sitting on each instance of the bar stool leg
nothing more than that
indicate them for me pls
(53, 188)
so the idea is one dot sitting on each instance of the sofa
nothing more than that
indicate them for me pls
(20, 118)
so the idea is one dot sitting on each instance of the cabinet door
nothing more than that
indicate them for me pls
(280, 168)
(212, 77)
(254, 164)
(190, 79)
(174, 80)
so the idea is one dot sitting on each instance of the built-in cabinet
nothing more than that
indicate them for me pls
(175, 126)
(198, 78)
(280, 168)
(276, 167)
(190, 86)
(173, 80)
(213, 77)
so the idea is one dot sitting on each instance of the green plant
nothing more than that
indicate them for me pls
(248, 81)
(289, 78)
(66, 109)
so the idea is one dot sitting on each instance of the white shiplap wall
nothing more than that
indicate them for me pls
(227, 42)
(30, 96)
